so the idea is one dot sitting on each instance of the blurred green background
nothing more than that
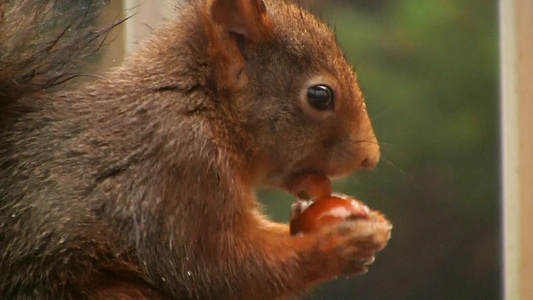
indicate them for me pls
(429, 71)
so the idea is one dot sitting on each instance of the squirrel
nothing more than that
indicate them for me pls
(139, 183)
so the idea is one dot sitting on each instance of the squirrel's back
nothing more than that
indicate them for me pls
(49, 232)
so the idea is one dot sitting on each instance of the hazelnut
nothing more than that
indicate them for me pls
(308, 216)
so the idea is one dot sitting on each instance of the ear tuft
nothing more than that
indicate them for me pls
(248, 18)
(223, 20)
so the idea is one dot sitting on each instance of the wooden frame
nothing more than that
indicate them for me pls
(149, 14)
(516, 50)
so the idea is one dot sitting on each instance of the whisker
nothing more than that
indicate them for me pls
(383, 112)
(365, 140)
(388, 144)
(390, 163)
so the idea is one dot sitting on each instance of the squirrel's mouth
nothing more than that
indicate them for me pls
(305, 182)
(308, 185)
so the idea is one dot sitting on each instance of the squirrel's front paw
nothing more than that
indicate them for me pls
(350, 246)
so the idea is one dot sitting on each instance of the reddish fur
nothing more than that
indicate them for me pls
(141, 183)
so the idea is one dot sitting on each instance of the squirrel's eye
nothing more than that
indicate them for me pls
(320, 96)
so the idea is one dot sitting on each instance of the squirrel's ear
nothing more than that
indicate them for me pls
(244, 17)
(224, 20)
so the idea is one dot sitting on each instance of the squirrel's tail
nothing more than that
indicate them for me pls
(43, 43)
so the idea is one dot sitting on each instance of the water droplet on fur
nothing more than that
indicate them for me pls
(163, 278)
(13, 215)
(189, 273)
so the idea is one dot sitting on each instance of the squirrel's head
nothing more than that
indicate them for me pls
(289, 84)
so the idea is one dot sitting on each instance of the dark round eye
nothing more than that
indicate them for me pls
(320, 96)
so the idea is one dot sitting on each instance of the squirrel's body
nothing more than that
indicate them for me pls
(140, 183)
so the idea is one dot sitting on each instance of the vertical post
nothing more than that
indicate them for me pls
(509, 148)
(113, 49)
(524, 34)
(516, 54)
(148, 15)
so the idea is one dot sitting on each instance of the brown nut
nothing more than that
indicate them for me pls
(308, 216)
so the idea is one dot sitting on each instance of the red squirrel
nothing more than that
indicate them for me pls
(139, 184)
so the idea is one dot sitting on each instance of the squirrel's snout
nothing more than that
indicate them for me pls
(371, 156)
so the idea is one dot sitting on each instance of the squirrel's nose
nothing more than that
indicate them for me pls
(370, 154)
